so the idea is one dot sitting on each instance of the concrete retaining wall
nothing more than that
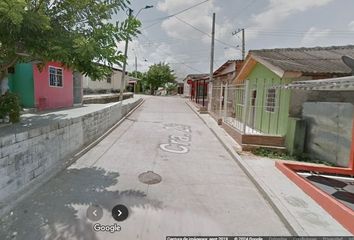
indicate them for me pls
(29, 157)
(329, 131)
(104, 98)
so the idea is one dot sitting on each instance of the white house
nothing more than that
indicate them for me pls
(110, 84)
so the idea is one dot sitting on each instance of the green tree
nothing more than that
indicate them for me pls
(77, 33)
(137, 74)
(158, 75)
(171, 87)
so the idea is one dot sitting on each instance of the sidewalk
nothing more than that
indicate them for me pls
(301, 213)
(35, 120)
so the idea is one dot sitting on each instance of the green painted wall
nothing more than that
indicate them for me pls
(21, 82)
(274, 123)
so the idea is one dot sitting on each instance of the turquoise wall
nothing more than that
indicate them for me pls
(21, 82)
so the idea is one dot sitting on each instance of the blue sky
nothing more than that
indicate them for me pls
(267, 23)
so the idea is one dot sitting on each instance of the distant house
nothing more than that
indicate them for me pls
(223, 76)
(263, 114)
(107, 85)
(53, 86)
(133, 84)
(193, 82)
(180, 88)
(227, 72)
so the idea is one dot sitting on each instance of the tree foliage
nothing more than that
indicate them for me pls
(158, 75)
(137, 74)
(171, 87)
(10, 107)
(77, 33)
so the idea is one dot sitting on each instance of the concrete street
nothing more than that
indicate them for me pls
(203, 191)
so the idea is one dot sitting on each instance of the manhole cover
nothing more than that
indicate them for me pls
(149, 177)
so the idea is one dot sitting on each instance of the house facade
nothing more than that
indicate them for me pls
(50, 87)
(222, 77)
(261, 114)
(107, 85)
(190, 83)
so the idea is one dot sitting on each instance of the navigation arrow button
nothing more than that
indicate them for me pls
(94, 213)
(120, 213)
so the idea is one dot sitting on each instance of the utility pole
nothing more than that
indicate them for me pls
(136, 67)
(211, 63)
(126, 51)
(125, 62)
(243, 40)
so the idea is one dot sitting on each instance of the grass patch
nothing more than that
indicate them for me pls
(263, 152)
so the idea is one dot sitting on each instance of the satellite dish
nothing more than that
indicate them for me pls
(349, 61)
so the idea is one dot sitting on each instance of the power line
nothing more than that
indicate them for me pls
(184, 10)
(175, 14)
(200, 61)
(205, 33)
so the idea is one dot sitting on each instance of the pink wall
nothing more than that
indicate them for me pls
(51, 97)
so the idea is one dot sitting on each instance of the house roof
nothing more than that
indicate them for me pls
(133, 79)
(196, 76)
(330, 84)
(223, 66)
(113, 67)
(308, 61)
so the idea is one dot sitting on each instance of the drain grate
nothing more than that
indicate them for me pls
(150, 178)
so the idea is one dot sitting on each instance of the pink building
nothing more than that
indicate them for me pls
(52, 87)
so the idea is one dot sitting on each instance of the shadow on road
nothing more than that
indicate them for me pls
(52, 211)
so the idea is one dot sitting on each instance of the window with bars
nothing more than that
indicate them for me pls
(270, 100)
(55, 77)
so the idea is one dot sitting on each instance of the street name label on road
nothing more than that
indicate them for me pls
(178, 143)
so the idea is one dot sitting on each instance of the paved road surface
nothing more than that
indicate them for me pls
(202, 192)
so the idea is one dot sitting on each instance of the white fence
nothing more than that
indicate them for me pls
(250, 109)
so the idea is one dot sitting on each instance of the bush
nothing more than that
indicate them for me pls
(10, 106)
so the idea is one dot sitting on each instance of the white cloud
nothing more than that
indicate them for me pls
(351, 25)
(200, 17)
(232, 53)
(313, 36)
(185, 45)
(279, 10)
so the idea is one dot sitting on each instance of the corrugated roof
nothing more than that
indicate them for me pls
(330, 84)
(196, 76)
(317, 60)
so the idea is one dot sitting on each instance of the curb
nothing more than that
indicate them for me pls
(253, 179)
(98, 140)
